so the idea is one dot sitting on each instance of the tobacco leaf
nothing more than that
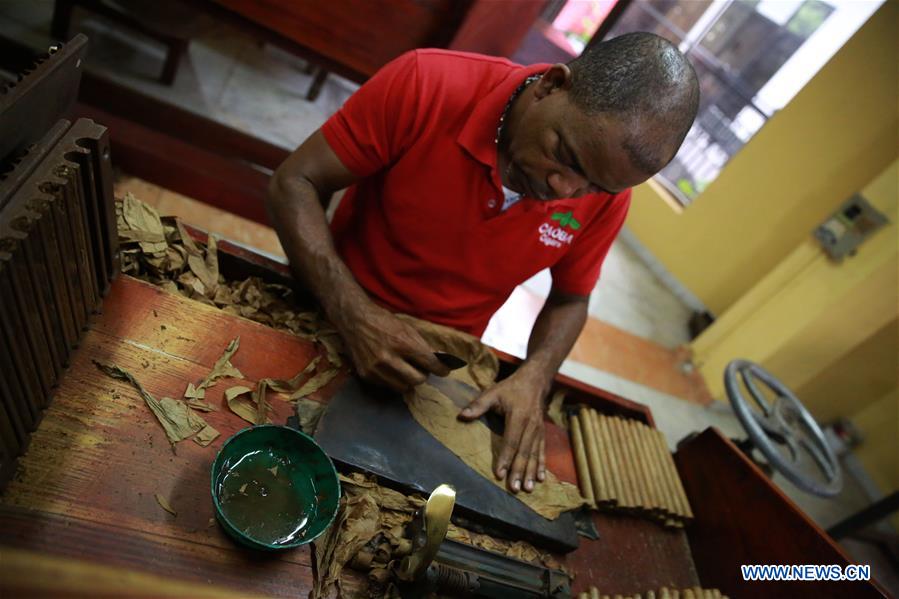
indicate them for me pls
(309, 412)
(315, 383)
(206, 436)
(245, 402)
(291, 385)
(221, 369)
(202, 406)
(193, 393)
(197, 266)
(333, 345)
(186, 239)
(259, 400)
(177, 420)
(212, 258)
(164, 504)
(240, 401)
(554, 410)
(143, 225)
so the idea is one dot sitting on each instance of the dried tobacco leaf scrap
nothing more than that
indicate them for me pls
(178, 421)
(292, 384)
(164, 504)
(206, 436)
(309, 413)
(202, 406)
(259, 400)
(142, 225)
(240, 401)
(315, 383)
(221, 369)
(554, 410)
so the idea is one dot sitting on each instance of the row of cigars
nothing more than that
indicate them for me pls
(663, 593)
(624, 465)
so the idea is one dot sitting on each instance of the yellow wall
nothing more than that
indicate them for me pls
(808, 313)
(859, 378)
(833, 138)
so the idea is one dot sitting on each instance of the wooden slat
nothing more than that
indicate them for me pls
(33, 574)
(105, 543)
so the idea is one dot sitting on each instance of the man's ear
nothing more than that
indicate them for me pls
(557, 77)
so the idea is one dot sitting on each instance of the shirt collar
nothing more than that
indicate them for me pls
(479, 132)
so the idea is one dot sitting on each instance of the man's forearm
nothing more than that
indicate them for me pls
(557, 328)
(299, 219)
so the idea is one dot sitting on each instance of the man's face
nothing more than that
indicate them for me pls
(556, 151)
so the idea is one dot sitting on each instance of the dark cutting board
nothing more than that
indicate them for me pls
(371, 430)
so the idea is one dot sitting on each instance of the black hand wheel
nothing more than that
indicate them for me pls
(783, 422)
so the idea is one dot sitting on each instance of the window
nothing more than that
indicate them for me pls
(751, 56)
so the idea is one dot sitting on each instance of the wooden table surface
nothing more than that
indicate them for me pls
(86, 487)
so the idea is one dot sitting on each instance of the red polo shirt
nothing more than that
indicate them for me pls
(423, 231)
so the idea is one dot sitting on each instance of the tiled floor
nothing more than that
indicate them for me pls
(630, 344)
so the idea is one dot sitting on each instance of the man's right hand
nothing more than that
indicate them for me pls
(386, 350)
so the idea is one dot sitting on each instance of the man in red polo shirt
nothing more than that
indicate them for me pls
(468, 174)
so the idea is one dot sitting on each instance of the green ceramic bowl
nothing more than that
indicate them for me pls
(274, 488)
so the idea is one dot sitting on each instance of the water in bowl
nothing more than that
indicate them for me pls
(266, 496)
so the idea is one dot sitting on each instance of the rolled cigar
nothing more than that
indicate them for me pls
(649, 450)
(659, 446)
(624, 467)
(604, 453)
(716, 594)
(664, 593)
(698, 593)
(688, 594)
(613, 450)
(584, 471)
(583, 595)
(637, 596)
(674, 481)
(641, 484)
(675, 594)
(594, 593)
(652, 491)
(650, 595)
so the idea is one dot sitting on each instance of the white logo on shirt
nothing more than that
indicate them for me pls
(551, 236)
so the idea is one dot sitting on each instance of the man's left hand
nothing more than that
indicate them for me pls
(520, 399)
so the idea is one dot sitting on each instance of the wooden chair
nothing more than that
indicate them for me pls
(171, 23)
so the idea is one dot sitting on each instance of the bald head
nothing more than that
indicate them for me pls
(643, 81)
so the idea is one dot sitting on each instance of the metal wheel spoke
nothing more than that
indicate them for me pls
(819, 456)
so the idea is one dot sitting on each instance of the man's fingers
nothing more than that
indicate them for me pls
(393, 373)
(428, 362)
(519, 464)
(479, 406)
(530, 472)
(541, 460)
(511, 441)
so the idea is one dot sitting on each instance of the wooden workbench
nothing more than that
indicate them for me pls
(86, 487)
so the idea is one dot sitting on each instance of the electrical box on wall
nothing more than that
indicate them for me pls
(842, 233)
